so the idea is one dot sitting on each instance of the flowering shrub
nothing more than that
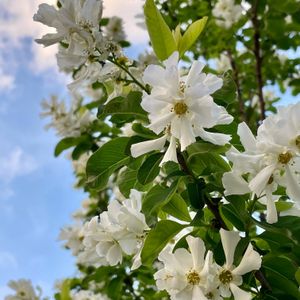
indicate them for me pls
(193, 174)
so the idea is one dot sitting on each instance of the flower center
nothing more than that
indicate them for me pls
(193, 277)
(225, 276)
(22, 294)
(180, 108)
(285, 157)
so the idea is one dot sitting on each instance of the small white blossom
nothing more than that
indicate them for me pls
(73, 235)
(88, 295)
(181, 107)
(223, 63)
(187, 275)
(227, 13)
(114, 29)
(229, 276)
(119, 230)
(23, 290)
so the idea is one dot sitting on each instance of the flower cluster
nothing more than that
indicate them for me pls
(119, 230)
(269, 160)
(67, 122)
(181, 107)
(194, 275)
(227, 13)
(88, 295)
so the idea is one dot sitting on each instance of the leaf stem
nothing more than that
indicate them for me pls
(115, 62)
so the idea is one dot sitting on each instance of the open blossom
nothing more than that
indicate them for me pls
(229, 276)
(67, 122)
(75, 19)
(271, 159)
(114, 29)
(118, 230)
(227, 13)
(181, 107)
(186, 275)
(73, 236)
(23, 290)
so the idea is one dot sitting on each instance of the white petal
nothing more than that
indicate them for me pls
(154, 75)
(114, 255)
(195, 71)
(198, 293)
(128, 245)
(246, 136)
(197, 249)
(292, 186)
(171, 154)
(147, 146)
(172, 60)
(182, 260)
(161, 122)
(250, 261)
(214, 138)
(239, 294)
(229, 240)
(187, 136)
(272, 216)
(234, 184)
(213, 83)
(260, 181)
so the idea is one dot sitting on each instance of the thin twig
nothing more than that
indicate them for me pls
(114, 61)
(238, 85)
(259, 59)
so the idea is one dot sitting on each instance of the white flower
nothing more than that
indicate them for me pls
(181, 107)
(271, 159)
(120, 230)
(88, 295)
(114, 29)
(229, 276)
(223, 63)
(186, 275)
(73, 236)
(24, 290)
(227, 13)
(75, 17)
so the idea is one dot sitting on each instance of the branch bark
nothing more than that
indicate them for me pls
(238, 85)
(259, 59)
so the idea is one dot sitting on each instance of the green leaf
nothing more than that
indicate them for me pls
(149, 169)
(129, 107)
(65, 290)
(126, 181)
(157, 197)
(115, 287)
(297, 275)
(280, 273)
(64, 144)
(161, 37)
(157, 239)
(227, 93)
(177, 208)
(191, 35)
(107, 159)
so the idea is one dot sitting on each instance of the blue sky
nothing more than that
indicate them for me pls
(36, 189)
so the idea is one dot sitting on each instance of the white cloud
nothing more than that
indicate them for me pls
(16, 163)
(127, 10)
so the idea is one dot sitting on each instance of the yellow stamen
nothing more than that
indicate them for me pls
(180, 108)
(193, 277)
(285, 157)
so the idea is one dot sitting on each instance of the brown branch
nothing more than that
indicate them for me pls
(238, 85)
(259, 59)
